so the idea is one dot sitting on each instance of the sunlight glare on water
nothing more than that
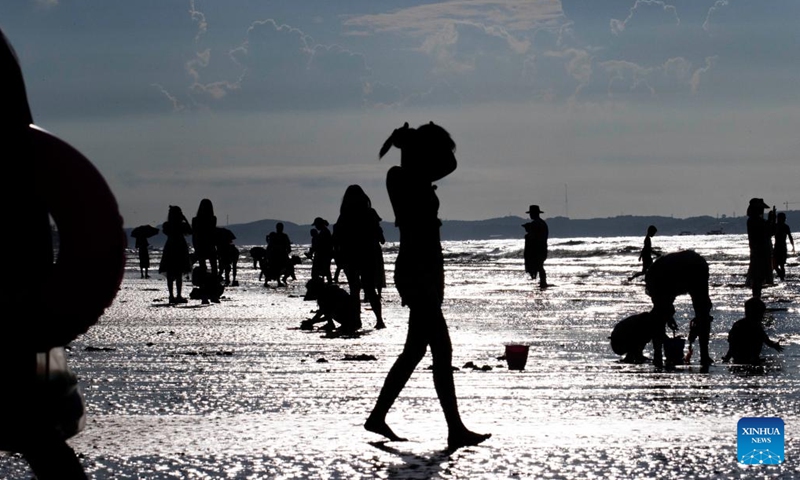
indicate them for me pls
(235, 390)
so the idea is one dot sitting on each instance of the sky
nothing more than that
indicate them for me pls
(272, 108)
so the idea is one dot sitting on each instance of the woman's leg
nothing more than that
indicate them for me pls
(368, 284)
(170, 283)
(413, 351)
(442, 352)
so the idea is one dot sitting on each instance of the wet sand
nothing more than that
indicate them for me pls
(234, 390)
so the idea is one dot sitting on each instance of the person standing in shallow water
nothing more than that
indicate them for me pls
(782, 232)
(204, 232)
(357, 234)
(143, 248)
(536, 237)
(646, 256)
(427, 155)
(175, 260)
(759, 232)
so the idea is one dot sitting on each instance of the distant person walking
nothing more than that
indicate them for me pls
(204, 236)
(536, 245)
(357, 235)
(646, 256)
(143, 249)
(759, 232)
(782, 232)
(747, 336)
(175, 261)
(427, 155)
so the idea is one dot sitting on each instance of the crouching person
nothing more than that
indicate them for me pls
(747, 336)
(675, 274)
(335, 305)
(632, 334)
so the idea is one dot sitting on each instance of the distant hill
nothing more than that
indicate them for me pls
(254, 233)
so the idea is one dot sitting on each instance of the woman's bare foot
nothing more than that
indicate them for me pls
(465, 438)
(381, 428)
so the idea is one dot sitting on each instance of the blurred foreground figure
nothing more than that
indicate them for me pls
(40, 404)
(427, 155)
(674, 274)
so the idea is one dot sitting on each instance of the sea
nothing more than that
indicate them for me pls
(236, 391)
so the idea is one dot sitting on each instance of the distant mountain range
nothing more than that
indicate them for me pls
(254, 233)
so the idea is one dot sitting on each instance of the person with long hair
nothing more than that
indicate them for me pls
(175, 260)
(357, 235)
(204, 231)
(427, 155)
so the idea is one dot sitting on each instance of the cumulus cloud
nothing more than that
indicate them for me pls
(427, 19)
(275, 66)
(648, 13)
(199, 18)
(176, 104)
(700, 72)
(714, 10)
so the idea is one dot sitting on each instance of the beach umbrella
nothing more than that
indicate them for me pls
(224, 235)
(144, 231)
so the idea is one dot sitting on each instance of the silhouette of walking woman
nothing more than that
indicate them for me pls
(427, 155)
(175, 257)
(357, 233)
(40, 402)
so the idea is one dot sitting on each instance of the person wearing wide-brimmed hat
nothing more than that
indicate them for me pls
(759, 233)
(536, 245)
(427, 155)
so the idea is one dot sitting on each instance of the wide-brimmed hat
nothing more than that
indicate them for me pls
(534, 209)
(758, 203)
(320, 221)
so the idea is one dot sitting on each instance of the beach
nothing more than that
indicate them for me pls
(236, 390)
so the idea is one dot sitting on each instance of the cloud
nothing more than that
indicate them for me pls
(176, 104)
(426, 20)
(199, 18)
(700, 72)
(718, 5)
(648, 13)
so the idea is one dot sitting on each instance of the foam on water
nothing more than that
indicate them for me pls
(235, 391)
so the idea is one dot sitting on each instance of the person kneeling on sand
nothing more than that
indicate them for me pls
(335, 305)
(747, 336)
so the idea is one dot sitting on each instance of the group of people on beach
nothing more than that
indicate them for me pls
(214, 253)
(687, 273)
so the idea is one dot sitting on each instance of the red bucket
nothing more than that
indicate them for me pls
(516, 356)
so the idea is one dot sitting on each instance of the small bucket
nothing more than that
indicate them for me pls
(673, 350)
(516, 356)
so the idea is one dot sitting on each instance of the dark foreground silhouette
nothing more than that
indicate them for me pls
(427, 155)
(40, 402)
